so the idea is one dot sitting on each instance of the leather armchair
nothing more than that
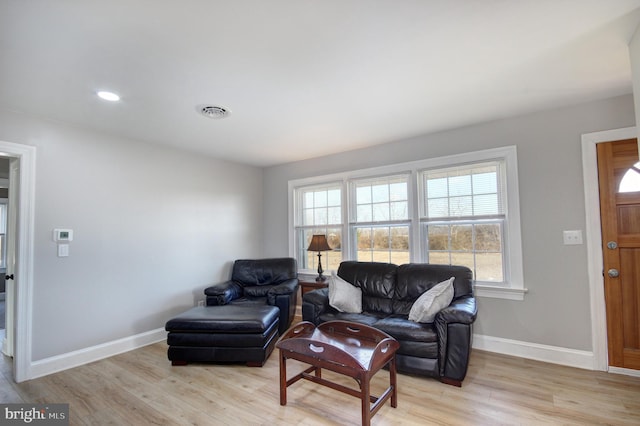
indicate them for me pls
(260, 281)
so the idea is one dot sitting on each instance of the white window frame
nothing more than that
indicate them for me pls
(296, 218)
(353, 221)
(512, 288)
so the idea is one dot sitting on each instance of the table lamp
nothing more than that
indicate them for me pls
(319, 244)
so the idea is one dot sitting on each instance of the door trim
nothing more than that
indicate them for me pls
(594, 239)
(24, 254)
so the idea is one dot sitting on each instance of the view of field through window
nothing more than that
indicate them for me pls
(461, 220)
(381, 225)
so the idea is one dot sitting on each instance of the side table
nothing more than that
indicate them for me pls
(306, 286)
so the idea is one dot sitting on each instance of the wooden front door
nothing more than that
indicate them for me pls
(619, 184)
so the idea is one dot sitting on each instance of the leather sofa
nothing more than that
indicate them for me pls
(258, 282)
(440, 349)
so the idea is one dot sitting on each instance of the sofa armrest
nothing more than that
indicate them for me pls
(454, 326)
(285, 297)
(314, 304)
(463, 310)
(284, 288)
(223, 293)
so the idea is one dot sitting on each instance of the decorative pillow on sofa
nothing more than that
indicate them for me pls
(432, 301)
(344, 296)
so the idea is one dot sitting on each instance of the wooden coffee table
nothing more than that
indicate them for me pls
(355, 350)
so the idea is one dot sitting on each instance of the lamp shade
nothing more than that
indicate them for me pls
(319, 243)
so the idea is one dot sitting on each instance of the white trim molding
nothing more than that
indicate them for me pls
(496, 292)
(535, 351)
(594, 239)
(512, 289)
(624, 371)
(26, 155)
(84, 356)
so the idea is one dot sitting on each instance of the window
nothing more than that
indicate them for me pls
(380, 226)
(631, 180)
(461, 209)
(319, 212)
(463, 218)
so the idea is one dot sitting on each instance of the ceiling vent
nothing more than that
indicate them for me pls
(213, 111)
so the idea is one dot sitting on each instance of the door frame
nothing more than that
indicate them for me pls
(8, 345)
(594, 244)
(24, 232)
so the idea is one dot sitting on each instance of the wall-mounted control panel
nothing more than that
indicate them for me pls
(62, 235)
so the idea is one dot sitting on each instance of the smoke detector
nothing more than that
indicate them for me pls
(213, 111)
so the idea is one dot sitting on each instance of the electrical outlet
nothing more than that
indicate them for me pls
(200, 302)
(572, 237)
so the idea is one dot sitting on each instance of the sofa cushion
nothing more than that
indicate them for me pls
(229, 340)
(344, 296)
(363, 318)
(418, 349)
(257, 290)
(401, 329)
(432, 301)
(252, 272)
(224, 319)
(376, 280)
(416, 278)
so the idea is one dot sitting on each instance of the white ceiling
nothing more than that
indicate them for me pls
(305, 78)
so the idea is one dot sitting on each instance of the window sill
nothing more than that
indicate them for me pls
(306, 275)
(500, 292)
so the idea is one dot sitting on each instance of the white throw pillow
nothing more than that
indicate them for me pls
(432, 301)
(344, 296)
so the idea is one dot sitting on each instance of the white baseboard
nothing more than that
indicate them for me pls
(545, 353)
(538, 352)
(61, 362)
(624, 371)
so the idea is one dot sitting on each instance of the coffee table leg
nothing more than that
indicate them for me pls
(283, 379)
(366, 396)
(393, 381)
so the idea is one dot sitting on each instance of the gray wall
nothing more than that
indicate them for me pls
(152, 227)
(556, 310)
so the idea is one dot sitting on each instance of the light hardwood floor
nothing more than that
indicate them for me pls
(141, 387)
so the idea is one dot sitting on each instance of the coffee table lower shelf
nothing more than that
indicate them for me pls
(354, 350)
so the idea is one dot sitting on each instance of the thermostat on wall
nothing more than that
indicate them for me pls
(63, 235)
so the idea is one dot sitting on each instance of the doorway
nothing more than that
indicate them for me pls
(596, 267)
(4, 197)
(619, 186)
(19, 291)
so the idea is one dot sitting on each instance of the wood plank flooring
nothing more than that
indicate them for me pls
(142, 388)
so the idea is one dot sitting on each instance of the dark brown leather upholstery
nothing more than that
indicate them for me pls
(440, 349)
(272, 282)
(228, 333)
(243, 318)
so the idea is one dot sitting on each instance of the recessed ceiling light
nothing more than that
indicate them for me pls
(213, 111)
(108, 96)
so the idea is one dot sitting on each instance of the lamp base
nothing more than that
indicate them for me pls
(320, 278)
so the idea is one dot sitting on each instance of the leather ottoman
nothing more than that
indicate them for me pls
(227, 333)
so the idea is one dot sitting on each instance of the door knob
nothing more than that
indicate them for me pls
(612, 245)
(613, 273)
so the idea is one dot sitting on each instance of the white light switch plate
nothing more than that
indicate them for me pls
(572, 237)
(63, 250)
